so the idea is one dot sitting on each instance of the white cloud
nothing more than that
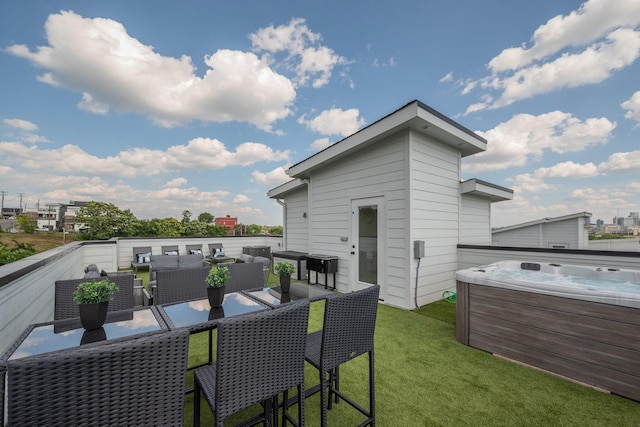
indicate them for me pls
(568, 170)
(585, 47)
(241, 199)
(525, 137)
(593, 65)
(90, 105)
(447, 77)
(591, 21)
(24, 125)
(272, 178)
(98, 58)
(335, 122)
(529, 183)
(633, 106)
(320, 144)
(176, 182)
(198, 154)
(311, 61)
(625, 162)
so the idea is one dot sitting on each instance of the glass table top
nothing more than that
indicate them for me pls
(197, 313)
(273, 296)
(62, 334)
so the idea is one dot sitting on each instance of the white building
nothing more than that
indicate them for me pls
(563, 232)
(367, 198)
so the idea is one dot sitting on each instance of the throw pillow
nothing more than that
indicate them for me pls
(195, 251)
(171, 253)
(219, 252)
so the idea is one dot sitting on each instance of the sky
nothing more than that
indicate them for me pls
(161, 106)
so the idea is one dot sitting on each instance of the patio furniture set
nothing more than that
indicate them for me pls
(59, 374)
(174, 276)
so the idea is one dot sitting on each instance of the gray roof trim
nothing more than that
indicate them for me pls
(283, 189)
(416, 116)
(480, 188)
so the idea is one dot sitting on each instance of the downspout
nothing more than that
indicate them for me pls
(284, 223)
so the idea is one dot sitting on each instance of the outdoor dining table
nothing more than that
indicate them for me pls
(64, 334)
(68, 333)
(198, 316)
(273, 296)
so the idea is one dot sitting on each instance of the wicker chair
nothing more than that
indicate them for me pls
(169, 248)
(197, 247)
(66, 307)
(119, 383)
(183, 284)
(244, 276)
(140, 251)
(347, 332)
(259, 355)
(212, 253)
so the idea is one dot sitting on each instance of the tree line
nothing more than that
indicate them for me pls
(105, 220)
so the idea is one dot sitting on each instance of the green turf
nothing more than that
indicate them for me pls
(424, 377)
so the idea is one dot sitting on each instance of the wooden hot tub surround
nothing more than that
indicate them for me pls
(591, 342)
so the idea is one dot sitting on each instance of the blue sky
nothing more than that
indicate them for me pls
(163, 106)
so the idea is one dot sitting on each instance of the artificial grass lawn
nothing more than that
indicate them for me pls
(424, 377)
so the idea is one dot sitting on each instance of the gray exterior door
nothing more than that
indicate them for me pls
(368, 250)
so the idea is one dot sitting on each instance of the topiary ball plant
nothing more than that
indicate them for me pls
(284, 268)
(218, 277)
(95, 291)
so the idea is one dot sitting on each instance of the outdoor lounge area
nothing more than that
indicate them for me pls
(423, 375)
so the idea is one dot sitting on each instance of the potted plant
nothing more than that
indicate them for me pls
(284, 270)
(93, 298)
(216, 280)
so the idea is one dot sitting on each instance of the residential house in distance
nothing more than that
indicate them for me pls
(69, 215)
(389, 203)
(47, 218)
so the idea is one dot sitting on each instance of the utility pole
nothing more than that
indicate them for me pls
(2, 207)
(20, 205)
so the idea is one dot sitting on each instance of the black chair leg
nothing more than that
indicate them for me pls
(196, 404)
(336, 383)
(323, 399)
(372, 390)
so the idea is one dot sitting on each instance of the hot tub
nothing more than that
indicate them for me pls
(581, 322)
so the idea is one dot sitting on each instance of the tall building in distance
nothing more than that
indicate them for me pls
(228, 222)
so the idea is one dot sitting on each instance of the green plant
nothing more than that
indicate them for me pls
(95, 291)
(284, 268)
(217, 277)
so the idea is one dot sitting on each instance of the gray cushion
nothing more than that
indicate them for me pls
(266, 262)
(191, 261)
(246, 257)
(163, 262)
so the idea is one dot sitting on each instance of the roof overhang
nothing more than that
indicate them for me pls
(286, 188)
(542, 221)
(415, 116)
(493, 192)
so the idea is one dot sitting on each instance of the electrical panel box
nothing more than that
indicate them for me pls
(418, 248)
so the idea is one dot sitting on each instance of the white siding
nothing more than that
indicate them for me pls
(521, 237)
(560, 233)
(434, 199)
(475, 220)
(377, 171)
(297, 224)
(570, 233)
